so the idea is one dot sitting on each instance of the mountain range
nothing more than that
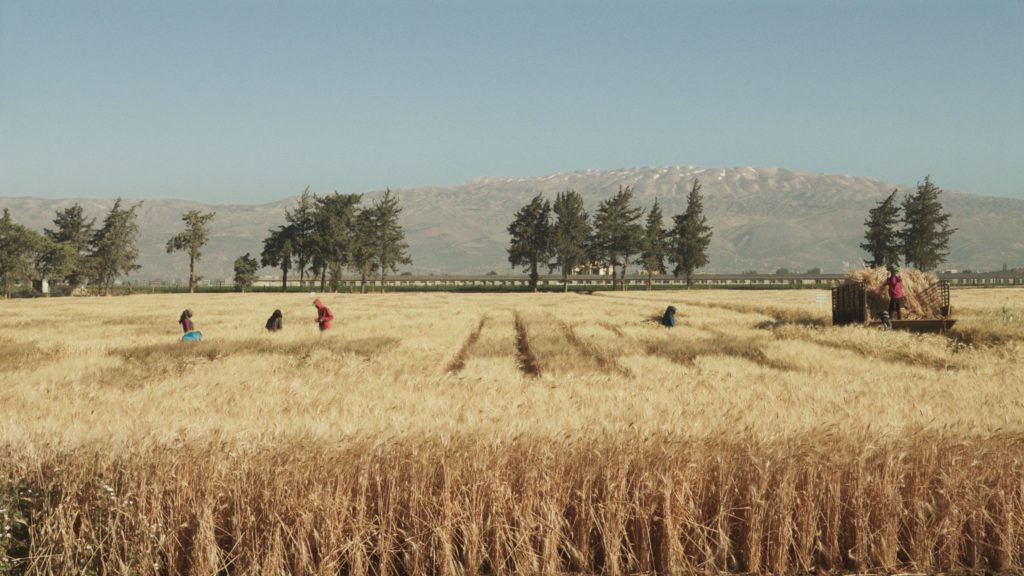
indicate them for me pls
(763, 219)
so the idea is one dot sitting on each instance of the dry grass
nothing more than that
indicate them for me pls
(491, 434)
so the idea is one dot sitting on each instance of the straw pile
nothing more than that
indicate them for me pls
(915, 282)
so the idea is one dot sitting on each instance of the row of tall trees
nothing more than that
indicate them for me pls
(916, 231)
(616, 236)
(75, 252)
(324, 235)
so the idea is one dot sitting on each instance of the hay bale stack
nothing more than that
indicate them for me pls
(915, 282)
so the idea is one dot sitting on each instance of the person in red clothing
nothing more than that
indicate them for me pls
(323, 315)
(895, 285)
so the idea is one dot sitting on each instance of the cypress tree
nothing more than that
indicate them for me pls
(389, 238)
(691, 236)
(617, 232)
(655, 244)
(926, 232)
(113, 251)
(570, 233)
(68, 255)
(881, 240)
(530, 245)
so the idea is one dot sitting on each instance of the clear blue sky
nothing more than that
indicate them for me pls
(250, 101)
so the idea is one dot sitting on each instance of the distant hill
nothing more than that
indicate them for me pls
(763, 219)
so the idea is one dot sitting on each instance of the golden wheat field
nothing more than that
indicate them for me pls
(457, 434)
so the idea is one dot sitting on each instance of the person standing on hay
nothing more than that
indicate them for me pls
(895, 285)
(323, 315)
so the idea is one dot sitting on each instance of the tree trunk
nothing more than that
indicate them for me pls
(284, 280)
(565, 281)
(650, 275)
(191, 274)
(534, 276)
(382, 277)
(362, 283)
(323, 278)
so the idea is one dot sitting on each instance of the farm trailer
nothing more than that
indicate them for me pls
(850, 306)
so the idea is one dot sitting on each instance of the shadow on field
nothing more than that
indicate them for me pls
(687, 351)
(141, 362)
(15, 355)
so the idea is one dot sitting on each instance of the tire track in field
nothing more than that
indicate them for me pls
(458, 362)
(595, 353)
(525, 357)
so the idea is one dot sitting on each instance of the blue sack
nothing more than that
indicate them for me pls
(193, 336)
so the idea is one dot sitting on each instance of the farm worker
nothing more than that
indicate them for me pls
(669, 319)
(191, 334)
(895, 285)
(186, 321)
(275, 322)
(323, 315)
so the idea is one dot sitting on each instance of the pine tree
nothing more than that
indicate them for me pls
(277, 252)
(570, 234)
(245, 272)
(68, 257)
(655, 244)
(926, 232)
(691, 236)
(20, 252)
(192, 240)
(112, 250)
(530, 245)
(391, 247)
(303, 224)
(333, 235)
(617, 232)
(881, 240)
(362, 257)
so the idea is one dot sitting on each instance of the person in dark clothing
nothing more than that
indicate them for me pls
(669, 319)
(323, 315)
(186, 321)
(276, 321)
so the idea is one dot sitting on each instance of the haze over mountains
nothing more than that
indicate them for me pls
(763, 219)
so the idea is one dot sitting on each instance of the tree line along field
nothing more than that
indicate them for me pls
(479, 434)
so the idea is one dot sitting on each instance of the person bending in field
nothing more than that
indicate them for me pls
(669, 318)
(186, 321)
(895, 285)
(323, 315)
(276, 321)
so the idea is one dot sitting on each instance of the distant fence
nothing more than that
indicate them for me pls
(587, 282)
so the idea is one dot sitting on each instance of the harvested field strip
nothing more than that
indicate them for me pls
(524, 354)
(602, 357)
(612, 505)
(211, 351)
(458, 362)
